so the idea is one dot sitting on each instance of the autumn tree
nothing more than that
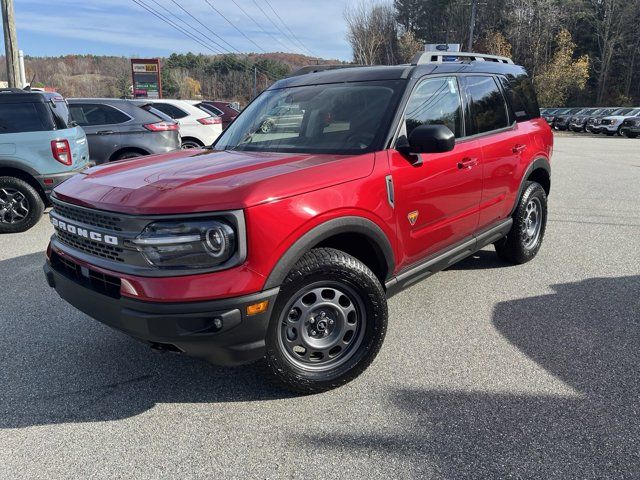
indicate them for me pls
(563, 73)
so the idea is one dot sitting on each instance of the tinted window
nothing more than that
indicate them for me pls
(171, 110)
(60, 111)
(329, 118)
(487, 105)
(94, 114)
(210, 109)
(521, 96)
(435, 101)
(20, 117)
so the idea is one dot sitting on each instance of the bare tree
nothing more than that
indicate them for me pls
(372, 32)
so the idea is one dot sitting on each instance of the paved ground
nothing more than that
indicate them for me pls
(488, 370)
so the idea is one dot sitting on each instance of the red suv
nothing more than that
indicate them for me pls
(286, 244)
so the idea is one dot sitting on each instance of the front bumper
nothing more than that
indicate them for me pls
(219, 331)
(634, 130)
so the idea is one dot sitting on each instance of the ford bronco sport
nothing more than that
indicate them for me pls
(40, 147)
(286, 244)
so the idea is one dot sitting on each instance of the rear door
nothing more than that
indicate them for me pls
(106, 128)
(502, 141)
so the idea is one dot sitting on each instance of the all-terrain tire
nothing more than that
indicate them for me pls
(519, 246)
(338, 272)
(20, 205)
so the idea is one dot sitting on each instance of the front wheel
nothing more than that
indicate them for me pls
(524, 240)
(328, 323)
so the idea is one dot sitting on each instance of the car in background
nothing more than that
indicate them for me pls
(631, 127)
(198, 128)
(549, 114)
(593, 121)
(612, 124)
(282, 118)
(561, 120)
(40, 147)
(118, 129)
(225, 110)
(578, 122)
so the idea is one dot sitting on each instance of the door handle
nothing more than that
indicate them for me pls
(105, 132)
(467, 163)
(519, 148)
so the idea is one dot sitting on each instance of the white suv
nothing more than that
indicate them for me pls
(197, 127)
(613, 123)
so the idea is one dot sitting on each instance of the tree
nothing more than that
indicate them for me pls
(372, 33)
(408, 46)
(563, 74)
(494, 43)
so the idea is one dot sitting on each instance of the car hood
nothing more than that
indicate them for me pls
(205, 180)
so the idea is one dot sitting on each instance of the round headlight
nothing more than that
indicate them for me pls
(217, 241)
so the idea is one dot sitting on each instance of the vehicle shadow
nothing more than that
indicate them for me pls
(481, 260)
(587, 335)
(58, 365)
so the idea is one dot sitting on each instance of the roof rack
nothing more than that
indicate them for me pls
(422, 58)
(320, 68)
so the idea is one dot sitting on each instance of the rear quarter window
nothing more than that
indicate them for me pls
(171, 110)
(486, 104)
(23, 117)
(521, 96)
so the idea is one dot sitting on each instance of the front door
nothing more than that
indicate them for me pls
(436, 195)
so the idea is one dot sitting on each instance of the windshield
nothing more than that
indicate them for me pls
(344, 118)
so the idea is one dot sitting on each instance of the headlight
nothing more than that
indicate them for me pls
(188, 244)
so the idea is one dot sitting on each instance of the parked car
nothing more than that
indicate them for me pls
(612, 124)
(119, 129)
(225, 110)
(578, 122)
(286, 246)
(197, 128)
(561, 120)
(40, 147)
(549, 114)
(593, 121)
(282, 118)
(631, 127)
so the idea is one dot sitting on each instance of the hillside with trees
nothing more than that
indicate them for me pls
(579, 52)
(228, 77)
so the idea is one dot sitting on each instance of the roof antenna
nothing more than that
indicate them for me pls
(28, 87)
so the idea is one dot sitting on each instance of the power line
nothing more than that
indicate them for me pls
(234, 26)
(250, 17)
(272, 22)
(201, 42)
(288, 29)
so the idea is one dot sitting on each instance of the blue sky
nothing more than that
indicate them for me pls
(120, 27)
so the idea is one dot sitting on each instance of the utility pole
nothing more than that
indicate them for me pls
(10, 44)
(472, 24)
(255, 81)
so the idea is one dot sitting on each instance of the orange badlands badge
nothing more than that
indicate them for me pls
(413, 217)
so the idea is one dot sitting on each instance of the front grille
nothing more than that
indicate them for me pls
(96, 281)
(606, 122)
(630, 122)
(89, 217)
(89, 246)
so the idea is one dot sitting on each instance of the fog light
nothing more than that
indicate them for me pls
(257, 308)
(217, 323)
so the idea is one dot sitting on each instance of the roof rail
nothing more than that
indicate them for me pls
(320, 68)
(422, 58)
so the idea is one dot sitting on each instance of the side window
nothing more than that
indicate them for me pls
(20, 117)
(435, 101)
(487, 105)
(521, 96)
(87, 115)
(171, 110)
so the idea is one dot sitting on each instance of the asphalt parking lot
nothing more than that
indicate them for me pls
(488, 370)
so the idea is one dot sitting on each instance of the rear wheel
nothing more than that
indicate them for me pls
(524, 240)
(189, 143)
(328, 323)
(125, 155)
(20, 205)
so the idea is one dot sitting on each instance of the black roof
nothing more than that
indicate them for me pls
(14, 95)
(396, 72)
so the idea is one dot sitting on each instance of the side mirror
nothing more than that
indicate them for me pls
(428, 139)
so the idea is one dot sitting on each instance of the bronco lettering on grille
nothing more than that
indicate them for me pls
(83, 232)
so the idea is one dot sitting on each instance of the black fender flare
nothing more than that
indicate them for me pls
(348, 224)
(19, 166)
(540, 162)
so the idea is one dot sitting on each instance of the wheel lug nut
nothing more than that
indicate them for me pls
(312, 321)
(313, 332)
(330, 322)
